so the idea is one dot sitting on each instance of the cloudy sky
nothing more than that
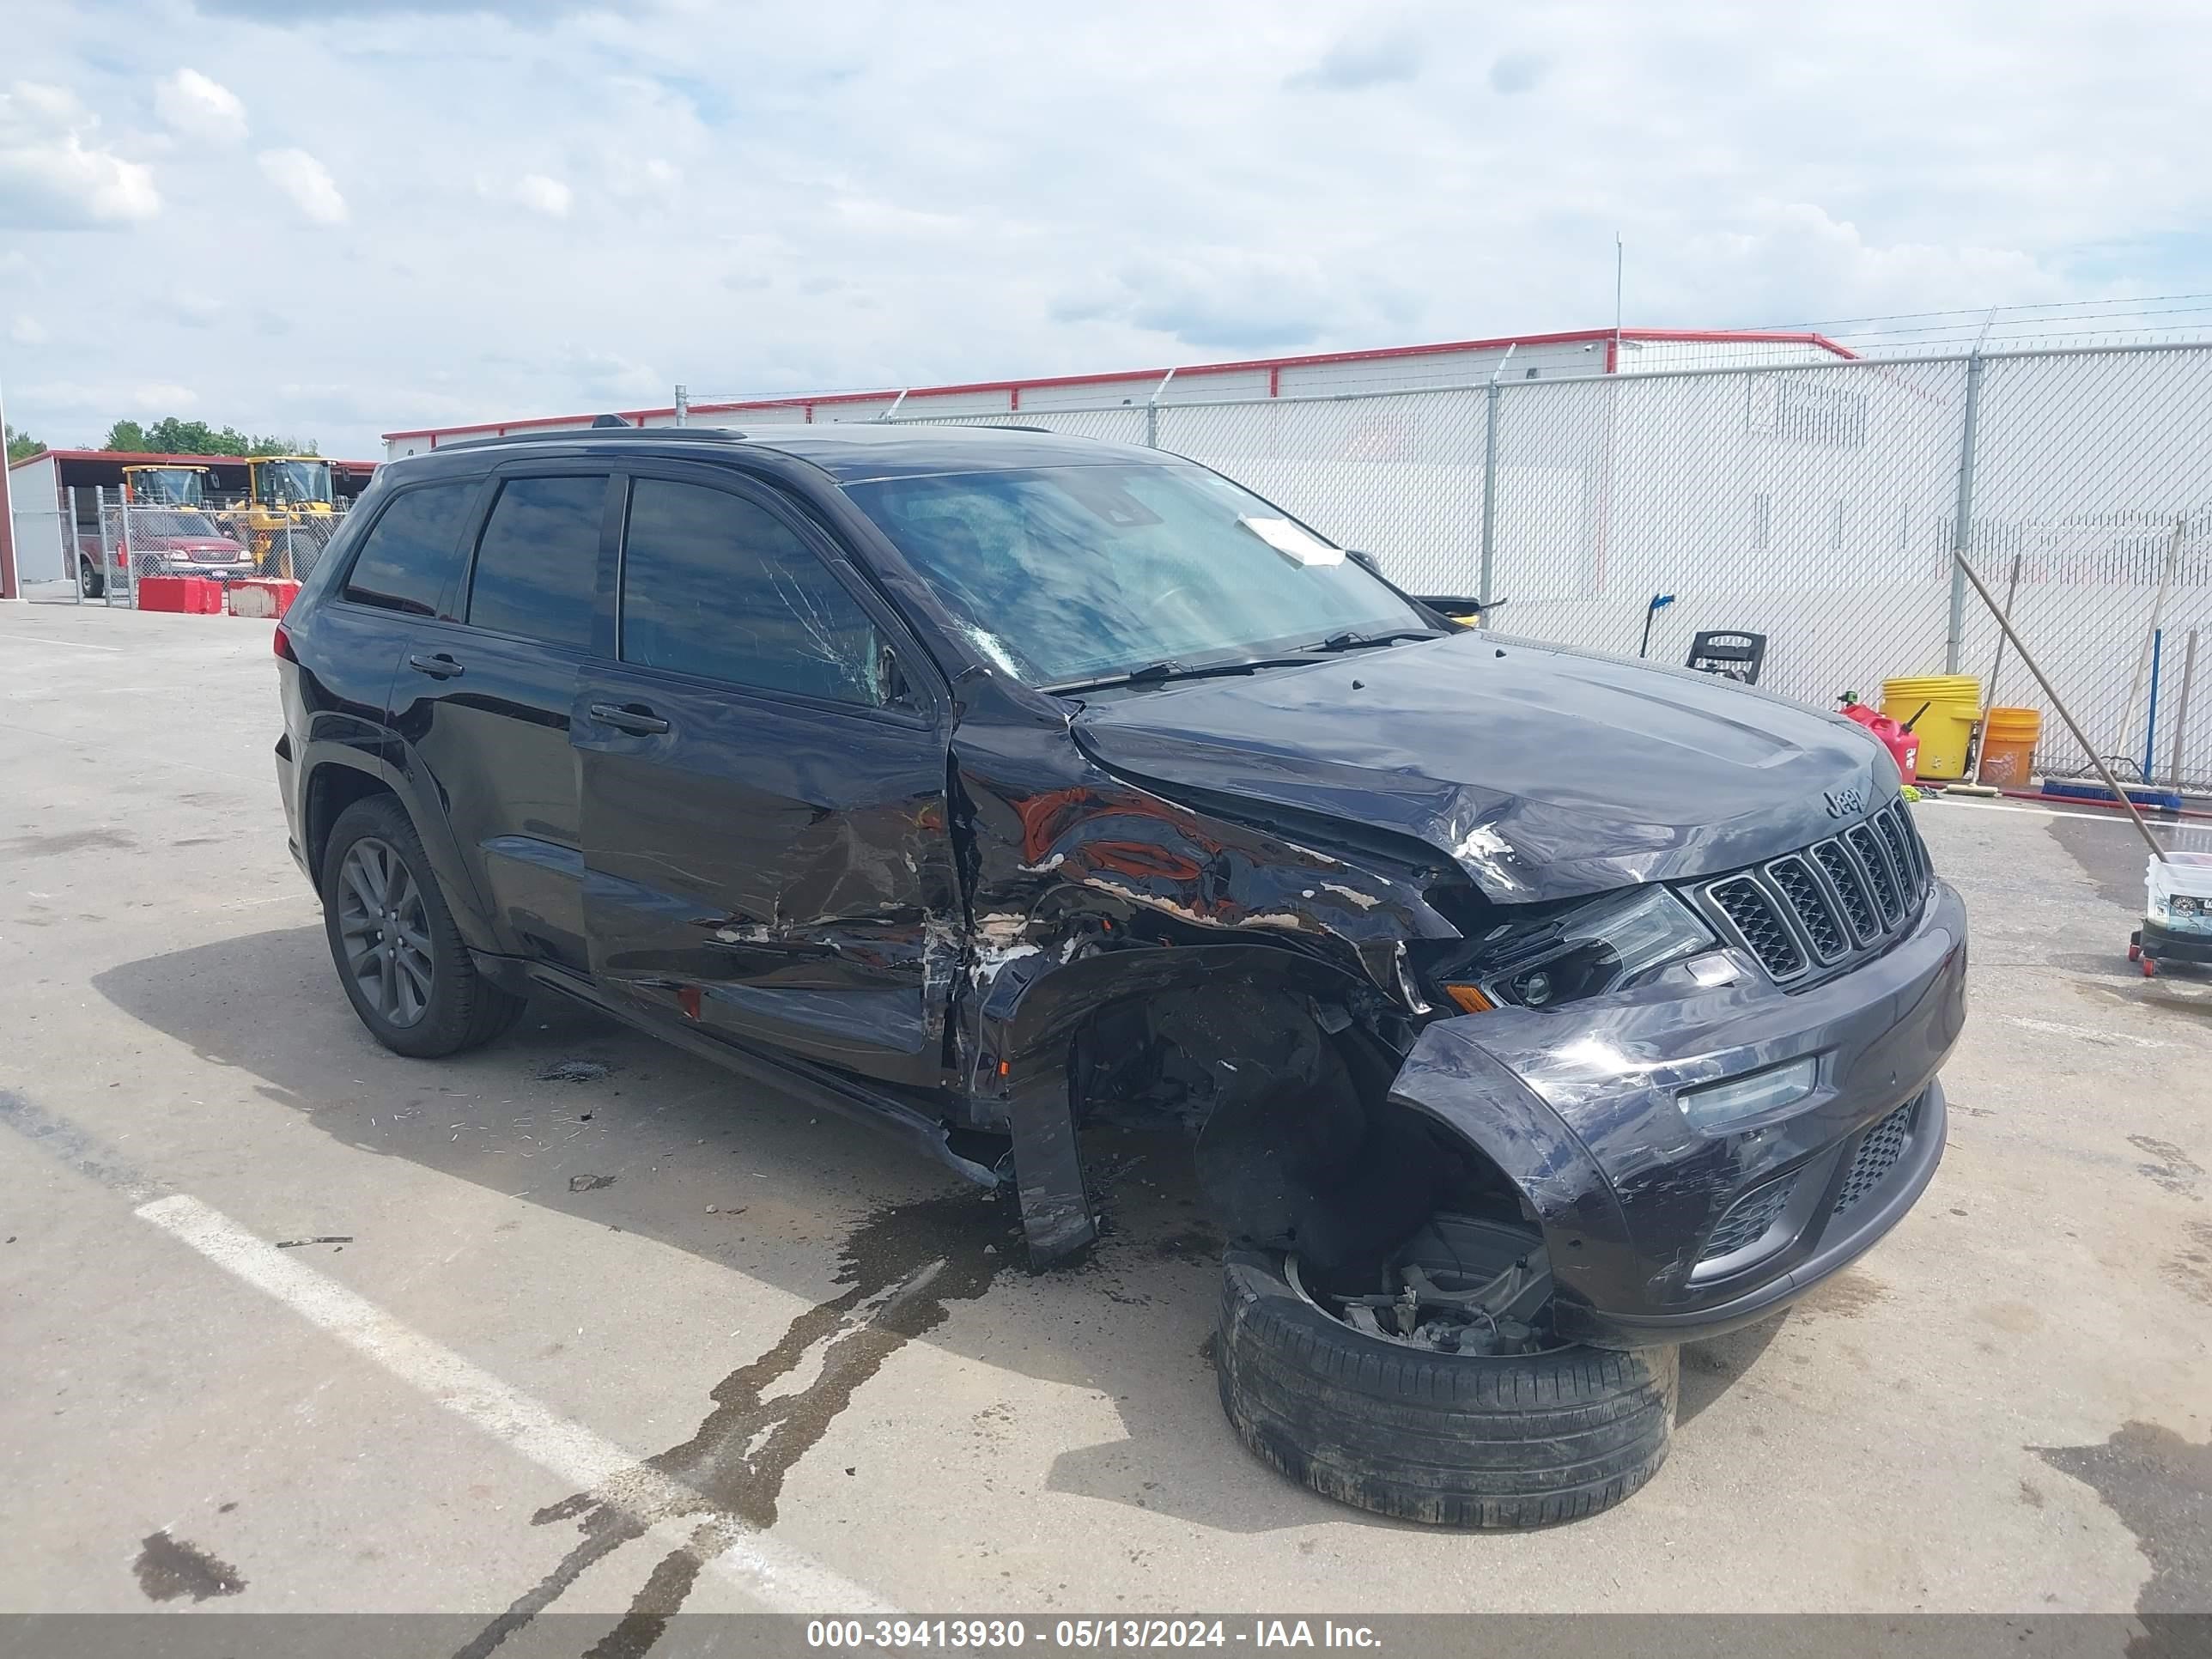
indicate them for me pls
(333, 219)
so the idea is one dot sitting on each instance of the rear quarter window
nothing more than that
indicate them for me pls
(413, 551)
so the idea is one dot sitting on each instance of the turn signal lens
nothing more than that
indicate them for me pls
(282, 644)
(1470, 1000)
(1719, 1104)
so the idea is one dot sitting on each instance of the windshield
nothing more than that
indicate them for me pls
(286, 482)
(178, 526)
(176, 486)
(1076, 573)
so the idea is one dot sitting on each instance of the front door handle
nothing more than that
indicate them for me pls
(633, 717)
(439, 667)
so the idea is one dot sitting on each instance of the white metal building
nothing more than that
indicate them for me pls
(1458, 362)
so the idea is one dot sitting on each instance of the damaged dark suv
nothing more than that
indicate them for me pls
(1531, 1011)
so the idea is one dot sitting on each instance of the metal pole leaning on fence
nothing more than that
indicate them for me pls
(2181, 713)
(2104, 772)
(2146, 670)
(1997, 668)
(1490, 477)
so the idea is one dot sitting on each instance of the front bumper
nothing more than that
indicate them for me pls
(1658, 1232)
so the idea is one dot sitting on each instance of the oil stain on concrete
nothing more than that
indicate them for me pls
(2159, 1485)
(902, 1268)
(2171, 1168)
(1846, 1296)
(2188, 1269)
(66, 840)
(168, 1568)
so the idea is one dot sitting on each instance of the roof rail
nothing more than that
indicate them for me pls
(660, 434)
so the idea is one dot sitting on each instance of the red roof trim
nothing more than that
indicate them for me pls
(140, 458)
(1013, 388)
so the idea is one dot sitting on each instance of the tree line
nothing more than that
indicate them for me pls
(172, 437)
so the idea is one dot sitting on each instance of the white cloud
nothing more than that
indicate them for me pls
(164, 395)
(307, 182)
(1358, 60)
(104, 397)
(655, 178)
(1794, 261)
(51, 179)
(199, 107)
(543, 195)
(27, 330)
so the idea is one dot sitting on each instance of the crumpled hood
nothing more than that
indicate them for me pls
(1544, 773)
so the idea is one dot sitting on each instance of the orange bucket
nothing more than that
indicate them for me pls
(2008, 738)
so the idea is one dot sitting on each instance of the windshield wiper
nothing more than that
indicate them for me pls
(1159, 673)
(1349, 642)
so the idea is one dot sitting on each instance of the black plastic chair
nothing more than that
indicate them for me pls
(1730, 654)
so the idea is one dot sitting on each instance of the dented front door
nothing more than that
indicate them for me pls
(763, 814)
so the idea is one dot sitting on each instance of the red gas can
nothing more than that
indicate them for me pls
(1904, 746)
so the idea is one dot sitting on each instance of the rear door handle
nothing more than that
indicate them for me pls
(439, 667)
(628, 717)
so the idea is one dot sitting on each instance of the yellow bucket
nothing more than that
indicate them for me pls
(2008, 737)
(1942, 709)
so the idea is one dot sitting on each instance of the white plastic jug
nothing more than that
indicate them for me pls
(2179, 889)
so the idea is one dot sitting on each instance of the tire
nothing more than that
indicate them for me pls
(1451, 1440)
(430, 1001)
(88, 582)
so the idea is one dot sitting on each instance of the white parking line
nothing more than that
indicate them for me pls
(2112, 816)
(785, 1579)
(2082, 1033)
(74, 645)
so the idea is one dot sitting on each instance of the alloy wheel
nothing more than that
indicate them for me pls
(385, 932)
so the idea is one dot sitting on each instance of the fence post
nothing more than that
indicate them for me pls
(1489, 491)
(73, 554)
(1963, 516)
(1152, 412)
(1490, 476)
(107, 547)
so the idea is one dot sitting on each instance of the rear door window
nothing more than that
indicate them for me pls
(413, 551)
(538, 561)
(715, 585)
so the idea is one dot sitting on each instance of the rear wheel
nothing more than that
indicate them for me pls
(88, 580)
(400, 959)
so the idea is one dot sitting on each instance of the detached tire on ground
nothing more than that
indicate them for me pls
(1452, 1440)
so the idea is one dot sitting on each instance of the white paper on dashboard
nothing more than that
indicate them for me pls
(1298, 545)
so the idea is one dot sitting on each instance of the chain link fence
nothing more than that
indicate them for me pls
(97, 546)
(1816, 504)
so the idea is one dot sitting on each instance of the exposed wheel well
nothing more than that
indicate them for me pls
(330, 790)
(1286, 1097)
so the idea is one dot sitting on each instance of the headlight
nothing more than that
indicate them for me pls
(1582, 952)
